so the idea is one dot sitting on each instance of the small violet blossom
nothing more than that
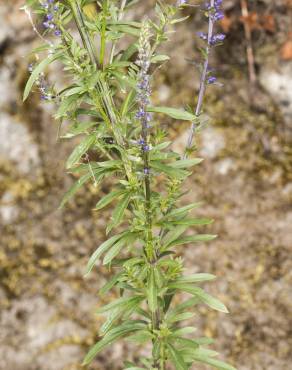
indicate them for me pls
(214, 13)
(181, 3)
(51, 9)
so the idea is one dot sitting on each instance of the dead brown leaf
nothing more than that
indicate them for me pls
(286, 51)
(268, 22)
(226, 23)
(252, 20)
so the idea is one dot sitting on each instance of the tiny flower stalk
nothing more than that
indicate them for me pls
(106, 104)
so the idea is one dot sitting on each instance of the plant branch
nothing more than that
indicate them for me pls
(202, 89)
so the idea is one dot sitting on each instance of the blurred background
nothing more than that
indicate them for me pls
(47, 308)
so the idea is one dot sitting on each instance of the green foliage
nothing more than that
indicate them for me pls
(98, 106)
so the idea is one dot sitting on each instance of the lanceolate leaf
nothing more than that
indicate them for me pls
(102, 249)
(187, 222)
(176, 358)
(111, 283)
(120, 303)
(181, 211)
(220, 365)
(107, 199)
(201, 294)
(114, 251)
(169, 170)
(116, 248)
(78, 184)
(195, 278)
(80, 150)
(192, 239)
(111, 336)
(186, 163)
(173, 113)
(119, 211)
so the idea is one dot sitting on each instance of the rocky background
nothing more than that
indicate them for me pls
(47, 309)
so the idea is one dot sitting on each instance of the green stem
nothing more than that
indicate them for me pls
(77, 13)
(103, 33)
(120, 16)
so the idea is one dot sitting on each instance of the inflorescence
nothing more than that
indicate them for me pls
(51, 8)
(213, 10)
(143, 88)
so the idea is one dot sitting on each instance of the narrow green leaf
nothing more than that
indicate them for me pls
(176, 358)
(195, 278)
(114, 251)
(107, 199)
(180, 317)
(102, 249)
(128, 102)
(159, 58)
(201, 294)
(141, 336)
(78, 184)
(37, 71)
(184, 331)
(187, 222)
(120, 303)
(168, 170)
(186, 163)
(110, 284)
(78, 128)
(173, 113)
(214, 362)
(173, 235)
(118, 213)
(68, 104)
(80, 150)
(182, 210)
(183, 306)
(114, 334)
(192, 239)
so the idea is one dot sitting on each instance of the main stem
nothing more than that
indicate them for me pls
(77, 12)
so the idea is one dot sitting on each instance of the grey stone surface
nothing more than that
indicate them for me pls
(17, 145)
(279, 84)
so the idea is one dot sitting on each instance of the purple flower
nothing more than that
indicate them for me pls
(202, 35)
(218, 15)
(219, 37)
(140, 114)
(211, 80)
(181, 3)
(58, 33)
(146, 171)
(145, 148)
(50, 17)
